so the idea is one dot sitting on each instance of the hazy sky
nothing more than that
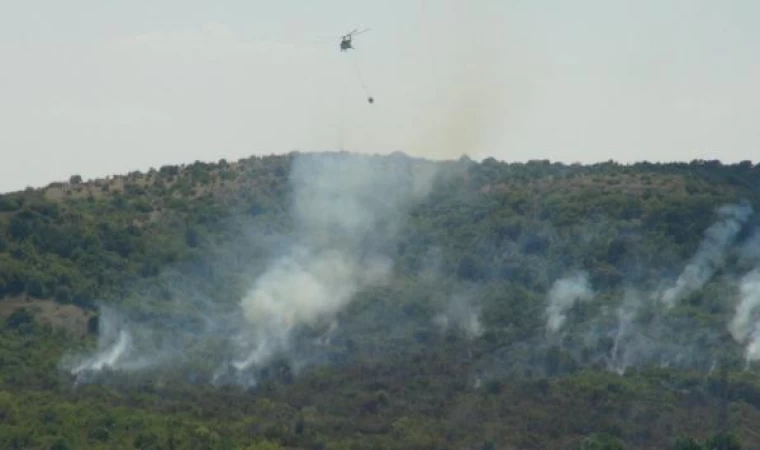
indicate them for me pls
(99, 87)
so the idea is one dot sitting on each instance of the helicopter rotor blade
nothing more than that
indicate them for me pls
(356, 31)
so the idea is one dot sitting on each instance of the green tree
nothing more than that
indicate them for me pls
(687, 443)
(723, 441)
(602, 441)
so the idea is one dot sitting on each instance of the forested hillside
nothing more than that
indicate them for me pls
(340, 301)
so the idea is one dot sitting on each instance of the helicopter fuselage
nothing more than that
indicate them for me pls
(345, 44)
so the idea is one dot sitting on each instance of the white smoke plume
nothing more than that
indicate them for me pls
(745, 325)
(115, 346)
(711, 253)
(110, 356)
(462, 315)
(347, 210)
(302, 288)
(565, 293)
(627, 339)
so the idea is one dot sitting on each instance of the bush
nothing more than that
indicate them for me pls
(8, 203)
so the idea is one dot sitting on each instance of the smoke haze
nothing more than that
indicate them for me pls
(565, 293)
(347, 210)
(711, 254)
(347, 213)
(745, 325)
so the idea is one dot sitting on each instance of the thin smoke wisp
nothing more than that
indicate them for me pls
(565, 293)
(711, 253)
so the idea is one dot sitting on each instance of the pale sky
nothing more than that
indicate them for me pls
(100, 87)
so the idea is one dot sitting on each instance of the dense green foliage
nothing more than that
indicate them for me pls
(501, 232)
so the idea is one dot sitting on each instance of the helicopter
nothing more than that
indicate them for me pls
(347, 39)
(346, 43)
